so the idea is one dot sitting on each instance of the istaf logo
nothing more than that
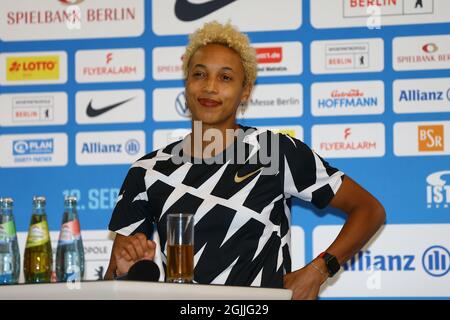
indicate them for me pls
(187, 11)
(438, 190)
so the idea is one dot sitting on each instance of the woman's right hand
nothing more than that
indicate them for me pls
(128, 250)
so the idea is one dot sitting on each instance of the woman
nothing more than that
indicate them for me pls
(241, 202)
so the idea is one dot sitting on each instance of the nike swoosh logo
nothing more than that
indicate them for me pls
(91, 112)
(187, 11)
(238, 179)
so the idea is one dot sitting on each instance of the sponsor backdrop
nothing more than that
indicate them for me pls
(88, 87)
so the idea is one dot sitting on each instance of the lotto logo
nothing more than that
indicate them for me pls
(431, 138)
(32, 68)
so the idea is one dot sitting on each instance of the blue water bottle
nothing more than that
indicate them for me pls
(9, 247)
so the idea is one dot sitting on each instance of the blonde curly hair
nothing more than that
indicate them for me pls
(227, 35)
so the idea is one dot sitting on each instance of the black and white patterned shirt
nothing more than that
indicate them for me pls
(242, 214)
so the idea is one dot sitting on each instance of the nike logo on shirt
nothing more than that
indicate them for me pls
(91, 112)
(238, 179)
(187, 11)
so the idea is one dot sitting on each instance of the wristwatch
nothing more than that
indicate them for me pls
(331, 262)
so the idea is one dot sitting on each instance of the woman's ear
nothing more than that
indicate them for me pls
(246, 93)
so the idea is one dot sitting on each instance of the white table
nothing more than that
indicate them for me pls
(126, 290)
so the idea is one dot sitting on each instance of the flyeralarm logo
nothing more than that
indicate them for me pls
(349, 140)
(33, 68)
(71, 19)
(110, 65)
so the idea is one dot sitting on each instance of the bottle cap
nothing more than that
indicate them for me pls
(39, 199)
(6, 201)
(70, 199)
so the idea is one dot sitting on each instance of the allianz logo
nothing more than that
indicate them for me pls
(32, 146)
(131, 147)
(438, 189)
(420, 95)
(435, 261)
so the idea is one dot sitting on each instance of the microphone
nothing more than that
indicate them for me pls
(143, 270)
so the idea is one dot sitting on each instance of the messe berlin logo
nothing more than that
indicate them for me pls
(438, 189)
(436, 261)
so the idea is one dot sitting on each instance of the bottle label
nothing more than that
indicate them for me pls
(7, 231)
(38, 234)
(70, 231)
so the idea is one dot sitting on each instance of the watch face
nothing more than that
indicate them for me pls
(332, 264)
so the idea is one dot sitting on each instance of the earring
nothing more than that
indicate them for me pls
(242, 105)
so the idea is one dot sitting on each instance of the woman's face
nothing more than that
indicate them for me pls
(214, 85)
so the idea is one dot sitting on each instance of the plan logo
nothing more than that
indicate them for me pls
(32, 146)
